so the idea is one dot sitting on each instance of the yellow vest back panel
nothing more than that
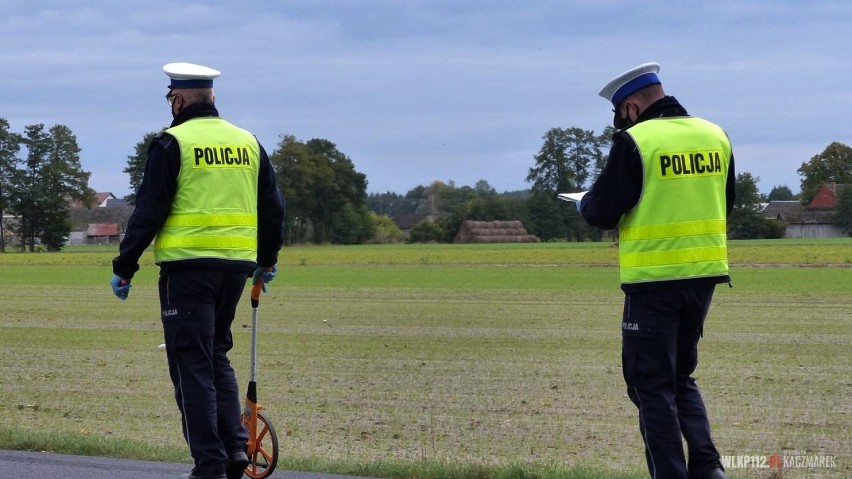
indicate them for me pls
(678, 229)
(214, 212)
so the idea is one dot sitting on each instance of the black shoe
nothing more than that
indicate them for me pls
(715, 473)
(237, 465)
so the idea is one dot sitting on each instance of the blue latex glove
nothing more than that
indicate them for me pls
(264, 274)
(120, 287)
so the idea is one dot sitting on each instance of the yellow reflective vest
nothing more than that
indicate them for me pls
(678, 228)
(214, 211)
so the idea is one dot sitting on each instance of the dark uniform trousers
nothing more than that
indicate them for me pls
(198, 308)
(660, 333)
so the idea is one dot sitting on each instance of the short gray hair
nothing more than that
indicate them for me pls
(196, 95)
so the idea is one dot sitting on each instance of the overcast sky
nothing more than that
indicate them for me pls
(417, 91)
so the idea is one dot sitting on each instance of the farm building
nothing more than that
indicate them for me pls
(493, 232)
(102, 233)
(100, 200)
(812, 224)
(107, 210)
(814, 220)
(827, 197)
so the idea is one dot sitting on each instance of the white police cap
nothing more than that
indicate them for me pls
(630, 82)
(190, 75)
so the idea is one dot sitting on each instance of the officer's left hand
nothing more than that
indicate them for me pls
(265, 274)
(120, 287)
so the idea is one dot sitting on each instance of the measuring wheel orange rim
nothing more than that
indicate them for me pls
(263, 455)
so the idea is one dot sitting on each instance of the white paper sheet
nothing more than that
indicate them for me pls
(572, 197)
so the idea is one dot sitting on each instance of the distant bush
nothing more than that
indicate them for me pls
(426, 231)
(386, 231)
(773, 229)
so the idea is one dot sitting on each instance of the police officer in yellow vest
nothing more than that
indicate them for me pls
(668, 185)
(209, 197)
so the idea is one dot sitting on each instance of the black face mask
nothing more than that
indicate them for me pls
(621, 123)
(170, 98)
(618, 122)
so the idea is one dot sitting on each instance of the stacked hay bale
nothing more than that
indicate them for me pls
(493, 232)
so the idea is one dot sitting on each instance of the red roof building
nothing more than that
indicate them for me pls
(827, 197)
(816, 220)
(102, 233)
(101, 200)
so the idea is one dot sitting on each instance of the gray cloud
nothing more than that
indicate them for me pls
(421, 90)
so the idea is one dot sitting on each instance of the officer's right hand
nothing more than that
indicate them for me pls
(120, 287)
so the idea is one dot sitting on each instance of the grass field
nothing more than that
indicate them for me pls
(477, 356)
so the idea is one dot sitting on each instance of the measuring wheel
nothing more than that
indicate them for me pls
(262, 445)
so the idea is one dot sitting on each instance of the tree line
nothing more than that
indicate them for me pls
(327, 199)
(328, 202)
(40, 176)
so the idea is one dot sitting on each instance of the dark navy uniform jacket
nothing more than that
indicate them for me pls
(619, 187)
(154, 199)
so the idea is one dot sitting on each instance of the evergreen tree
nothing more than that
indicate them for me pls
(51, 177)
(386, 204)
(10, 144)
(136, 164)
(27, 193)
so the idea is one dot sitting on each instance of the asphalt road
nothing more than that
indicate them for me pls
(41, 465)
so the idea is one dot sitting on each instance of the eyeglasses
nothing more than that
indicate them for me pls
(170, 98)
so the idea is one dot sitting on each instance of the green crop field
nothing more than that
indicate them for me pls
(483, 355)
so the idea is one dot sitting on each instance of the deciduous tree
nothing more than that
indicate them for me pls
(833, 165)
(843, 214)
(566, 162)
(319, 181)
(780, 193)
(386, 231)
(746, 220)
